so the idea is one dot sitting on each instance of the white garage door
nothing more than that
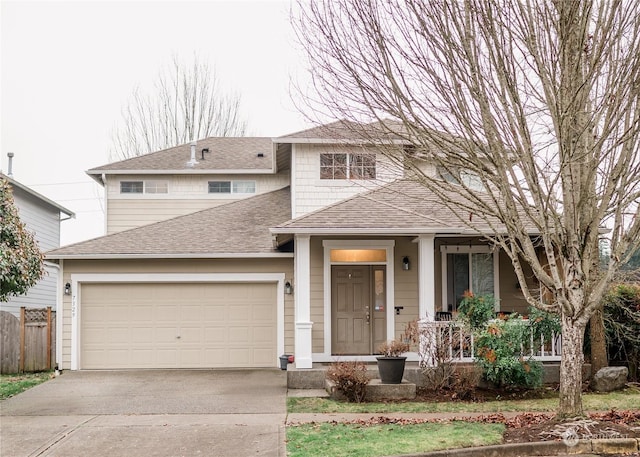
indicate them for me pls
(177, 325)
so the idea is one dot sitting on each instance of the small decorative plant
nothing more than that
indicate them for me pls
(393, 348)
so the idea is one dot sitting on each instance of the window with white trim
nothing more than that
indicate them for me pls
(468, 268)
(347, 166)
(144, 187)
(232, 187)
(458, 176)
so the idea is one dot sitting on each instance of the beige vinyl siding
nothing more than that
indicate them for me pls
(406, 284)
(186, 194)
(317, 294)
(273, 265)
(128, 214)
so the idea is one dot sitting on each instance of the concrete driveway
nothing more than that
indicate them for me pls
(148, 413)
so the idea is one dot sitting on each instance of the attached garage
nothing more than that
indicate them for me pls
(170, 324)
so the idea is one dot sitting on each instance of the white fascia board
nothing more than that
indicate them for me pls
(246, 171)
(365, 231)
(38, 196)
(441, 232)
(225, 255)
(293, 140)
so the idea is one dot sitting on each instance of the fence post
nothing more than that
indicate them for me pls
(48, 338)
(22, 330)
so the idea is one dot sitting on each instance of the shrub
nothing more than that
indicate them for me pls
(476, 310)
(393, 348)
(622, 326)
(351, 378)
(499, 354)
(544, 324)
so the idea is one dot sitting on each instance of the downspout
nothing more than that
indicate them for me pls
(59, 317)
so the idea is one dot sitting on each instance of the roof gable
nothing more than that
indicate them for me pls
(403, 206)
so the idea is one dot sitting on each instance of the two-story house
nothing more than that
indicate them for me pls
(42, 217)
(233, 251)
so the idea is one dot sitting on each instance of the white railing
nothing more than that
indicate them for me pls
(451, 340)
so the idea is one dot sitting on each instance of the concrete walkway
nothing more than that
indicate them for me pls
(148, 413)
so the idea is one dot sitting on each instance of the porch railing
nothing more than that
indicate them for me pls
(451, 340)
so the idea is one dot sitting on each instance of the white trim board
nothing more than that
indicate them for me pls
(389, 246)
(78, 279)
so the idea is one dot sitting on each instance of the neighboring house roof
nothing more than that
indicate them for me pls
(16, 185)
(401, 207)
(226, 155)
(237, 229)
(344, 131)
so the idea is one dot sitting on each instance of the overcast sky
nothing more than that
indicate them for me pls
(68, 68)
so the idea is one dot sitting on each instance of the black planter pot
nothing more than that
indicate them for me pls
(391, 369)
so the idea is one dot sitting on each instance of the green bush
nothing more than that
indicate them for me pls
(544, 324)
(477, 310)
(622, 326)
(499, 354)
(351, 378)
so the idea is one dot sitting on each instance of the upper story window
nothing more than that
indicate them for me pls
(232, 187)
(347, 166)
(146, 187)
(469, 179)
(131, 187)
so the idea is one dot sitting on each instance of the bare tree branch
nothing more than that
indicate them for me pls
(188, 103)
(540, 100)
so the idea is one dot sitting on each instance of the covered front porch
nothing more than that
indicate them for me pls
(353, 293)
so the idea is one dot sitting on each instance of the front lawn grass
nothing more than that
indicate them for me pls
(336, 440)
(13, 384)
(628, 398)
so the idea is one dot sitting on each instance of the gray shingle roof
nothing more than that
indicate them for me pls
(345, 131)
(225, 153)
(402, 206)
(241, 227)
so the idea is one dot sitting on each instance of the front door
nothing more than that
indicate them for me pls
(357, 308)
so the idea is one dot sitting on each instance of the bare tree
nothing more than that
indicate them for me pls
(537, 101)
(188, 103)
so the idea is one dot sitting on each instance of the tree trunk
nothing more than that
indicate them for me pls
(598, 342)
(571, 369)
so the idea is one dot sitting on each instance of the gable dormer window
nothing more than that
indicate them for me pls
(348, 166)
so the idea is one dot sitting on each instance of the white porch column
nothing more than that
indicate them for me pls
(303, 342)
(426, 277)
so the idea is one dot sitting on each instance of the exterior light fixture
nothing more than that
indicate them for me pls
(67, 288)
(288, 288)
(405, 263)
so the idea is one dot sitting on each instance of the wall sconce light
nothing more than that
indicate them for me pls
(405, 263)
(288, 288)
(67, 288)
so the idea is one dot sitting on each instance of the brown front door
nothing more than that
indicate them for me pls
(356, 314)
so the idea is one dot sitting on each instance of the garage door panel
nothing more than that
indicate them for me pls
(178, 325)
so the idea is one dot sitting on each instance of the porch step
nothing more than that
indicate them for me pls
(377, 391)
(314, 378)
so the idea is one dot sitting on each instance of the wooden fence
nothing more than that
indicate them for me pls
(27, 344)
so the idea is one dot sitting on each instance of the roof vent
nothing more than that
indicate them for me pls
(205, 150)
(10, 165)
(261, 154)
(192, 161)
